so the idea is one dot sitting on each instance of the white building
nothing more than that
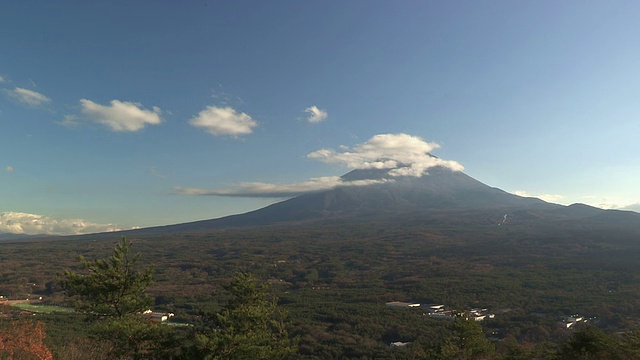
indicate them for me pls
(402, 304)
(157, 316)
(397, 344)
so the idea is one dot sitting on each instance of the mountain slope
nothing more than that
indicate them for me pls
(442, 190)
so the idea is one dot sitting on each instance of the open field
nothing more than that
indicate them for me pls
(41, 308)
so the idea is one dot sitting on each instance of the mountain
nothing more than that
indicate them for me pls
(440, 192)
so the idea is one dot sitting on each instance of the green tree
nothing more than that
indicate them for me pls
(591, 343)
(468, 342)
(110, 287)
(631, 344)
(250, 326)
(112, 291)
(132, 337)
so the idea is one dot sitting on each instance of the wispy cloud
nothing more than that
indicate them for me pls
(2, 79)
(222, 97)
(315, 115)
(552, 198)
(121, 116)
(402, 154)
(70, 121)
(9, 169)
(32, 224)
(219, 121)
(28, 97)
(612, 202)
(260, 189)
(157, 173)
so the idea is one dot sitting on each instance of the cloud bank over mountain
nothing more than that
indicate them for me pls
(401, 154)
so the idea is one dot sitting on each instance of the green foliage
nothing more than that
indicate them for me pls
(591, 343)
(467, 342)
(110, 287)
(134, 338)
(250, 326)
(631, 345)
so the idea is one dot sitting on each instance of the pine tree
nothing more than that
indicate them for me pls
(112, 292)
(591, 343)
(249, 327)
(467, 342)
(110, 287)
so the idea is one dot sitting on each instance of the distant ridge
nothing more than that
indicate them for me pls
(11, 236)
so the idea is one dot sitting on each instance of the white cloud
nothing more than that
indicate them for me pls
(118, 116)
(219, 121)
(2, 79)
(260, 189)
(29, 97)
(32, 224)
(315, 115)
(402, 154)
(552, 198)
(9, 169)
(633, 207)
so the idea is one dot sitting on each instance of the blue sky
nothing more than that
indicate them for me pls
(129, 114)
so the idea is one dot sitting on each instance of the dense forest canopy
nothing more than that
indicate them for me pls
(333, 284)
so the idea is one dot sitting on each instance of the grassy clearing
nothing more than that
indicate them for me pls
(40, 308)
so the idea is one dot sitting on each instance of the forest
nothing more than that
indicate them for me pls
(323, 291)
